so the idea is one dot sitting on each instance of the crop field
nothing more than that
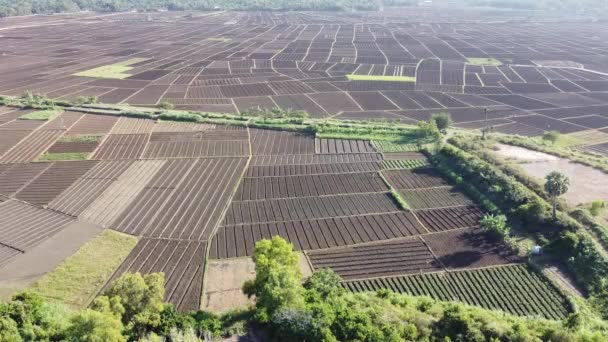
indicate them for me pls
(342, 65)
(197, 191)
(514, 289)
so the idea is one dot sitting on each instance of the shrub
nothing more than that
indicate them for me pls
(551, 137)
(165, 105)
(597, 207)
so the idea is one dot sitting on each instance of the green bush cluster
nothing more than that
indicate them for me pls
(322, 310)
(564, 237)
(132, 309)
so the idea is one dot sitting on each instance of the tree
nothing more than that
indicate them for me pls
(141, 298)
(95, 326)
(495, 225)
(165, 105)
(556, 184)
(442, 120)
(277, 282)
(551, 137)
(427, 131)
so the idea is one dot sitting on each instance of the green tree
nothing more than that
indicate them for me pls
(551, 137)
(141, 298)
(9, 332)
(427, 131)
(442, 120)
(495, 226)
(277, 282)
(556, 184)
(95, 326)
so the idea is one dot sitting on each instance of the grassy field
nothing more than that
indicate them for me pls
(353, 77)
(64, 156)
(43, 115)
(484, 61)
(79, 277)
(116, 70)
(388, 146)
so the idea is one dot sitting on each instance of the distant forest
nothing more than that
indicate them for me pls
(26, 7)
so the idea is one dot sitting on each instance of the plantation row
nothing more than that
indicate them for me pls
(515, 289)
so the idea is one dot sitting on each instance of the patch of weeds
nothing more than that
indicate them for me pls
(81, 138)
(64, 156)
(116, 70)
(43, 115)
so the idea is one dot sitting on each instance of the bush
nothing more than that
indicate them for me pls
(165, 105)
(551, 137)
(597, 207)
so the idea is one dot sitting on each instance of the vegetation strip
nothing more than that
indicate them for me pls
(77, 280)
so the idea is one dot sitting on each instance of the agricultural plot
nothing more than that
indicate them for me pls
(182, 262)
(468, 248)
(379, 76)
(181, 185)
(239, 240)
(514, 289)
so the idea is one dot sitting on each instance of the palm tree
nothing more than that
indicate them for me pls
(556, 185)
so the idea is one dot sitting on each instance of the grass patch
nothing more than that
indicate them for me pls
(64, 156)
(406, 164)
(392, 146)
(353, 77)
(484, 61)
(43, 115)
(400, 201)
(80, 138)
(116, 70)
(79, 277)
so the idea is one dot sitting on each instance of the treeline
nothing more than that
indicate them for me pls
(286, 309)
(27, 7)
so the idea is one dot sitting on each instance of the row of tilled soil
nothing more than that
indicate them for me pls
(415, 178)
(184, 200)
(293, 209)
(23, 226)
(310, 169)
(434, 198)
(442, 219)
(309, 186)
(238, 241)
(404, 256)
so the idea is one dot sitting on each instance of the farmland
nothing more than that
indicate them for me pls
(196, 197)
